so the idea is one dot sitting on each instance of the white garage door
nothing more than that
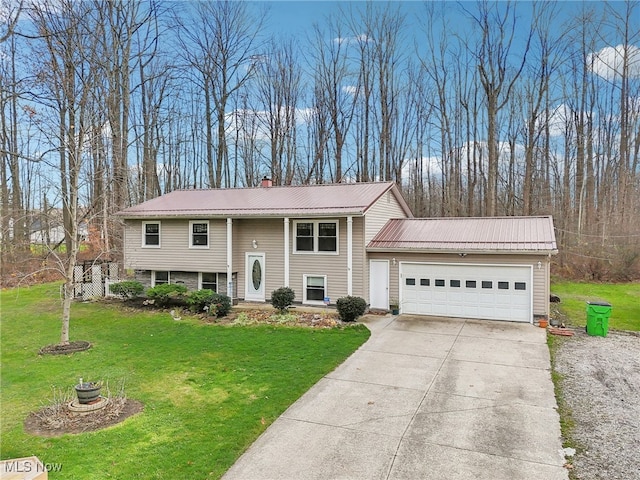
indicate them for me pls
(494, 292)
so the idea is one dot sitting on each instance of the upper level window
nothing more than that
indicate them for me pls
(199, 234)
(304, 237)
(327, 237)
(151, 234)
(316, 236)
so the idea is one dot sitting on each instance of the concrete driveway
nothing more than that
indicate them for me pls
(424, 398)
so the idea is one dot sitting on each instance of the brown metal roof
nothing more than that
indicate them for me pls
(467, 234)
(307, 200)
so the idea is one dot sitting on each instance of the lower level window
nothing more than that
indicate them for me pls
(160, 278)
(315, 288)
(209, 281)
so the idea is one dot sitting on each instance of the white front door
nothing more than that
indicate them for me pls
(255, 275)
(379, 284)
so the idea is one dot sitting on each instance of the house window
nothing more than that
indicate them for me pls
(199, 234)
(160, 278)
(304, 237)
(151, 234)
(315, 236)
(327, 237)
(315, 288)
(209, 281)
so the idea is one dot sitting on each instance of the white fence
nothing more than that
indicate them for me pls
(93, 280)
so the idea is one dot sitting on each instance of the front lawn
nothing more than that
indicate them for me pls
(624, 298)
(208, 390)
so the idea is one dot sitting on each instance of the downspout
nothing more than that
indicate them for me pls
(286, 251)
(230, 292)
(349, 255)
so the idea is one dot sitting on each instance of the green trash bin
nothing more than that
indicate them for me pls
(598, 314)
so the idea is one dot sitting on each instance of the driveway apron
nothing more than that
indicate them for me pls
(423, 398)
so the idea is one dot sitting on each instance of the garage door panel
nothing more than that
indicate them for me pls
(501, 292)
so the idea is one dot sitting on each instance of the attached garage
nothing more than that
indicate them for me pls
(498, 292)
(495, 268)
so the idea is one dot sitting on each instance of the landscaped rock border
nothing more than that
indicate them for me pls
(57, 420)
(60, 349)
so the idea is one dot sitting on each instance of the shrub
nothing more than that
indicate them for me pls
(220, 305)
(282, 298)
(167, 294)
(127, 289)
(351, 308)
(200, 300)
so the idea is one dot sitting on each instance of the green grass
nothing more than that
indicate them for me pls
(624, 298)
(567, 423)
(208, 390)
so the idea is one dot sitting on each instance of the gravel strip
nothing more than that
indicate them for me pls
(601, 385)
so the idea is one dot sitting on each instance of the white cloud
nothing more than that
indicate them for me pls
(350, 89)
(353, 40)
(608, 62)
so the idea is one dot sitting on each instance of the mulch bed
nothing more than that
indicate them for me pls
(57, 420)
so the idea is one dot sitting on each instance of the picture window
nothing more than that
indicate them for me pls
(316, 237)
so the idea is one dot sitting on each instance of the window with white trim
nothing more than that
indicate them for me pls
(209, 281)
(160, 278)
(314, 288)
(151, 234)
(316, 236)
(199, 234)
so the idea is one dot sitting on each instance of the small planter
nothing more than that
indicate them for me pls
(543, 323)
(88, 392)
(395, 310)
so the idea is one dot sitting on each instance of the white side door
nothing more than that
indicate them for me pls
(379, 284)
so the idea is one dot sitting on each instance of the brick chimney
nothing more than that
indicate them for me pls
(267, 182)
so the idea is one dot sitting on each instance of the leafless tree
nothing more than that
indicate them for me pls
(221, 44)
(496, 23)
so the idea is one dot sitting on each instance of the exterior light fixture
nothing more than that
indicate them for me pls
(254, 243)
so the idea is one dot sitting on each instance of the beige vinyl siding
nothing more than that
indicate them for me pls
(269, 233)
(174, 252)
(540, 275)
(385, 208)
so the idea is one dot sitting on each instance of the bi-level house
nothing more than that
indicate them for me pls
(332, 240)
